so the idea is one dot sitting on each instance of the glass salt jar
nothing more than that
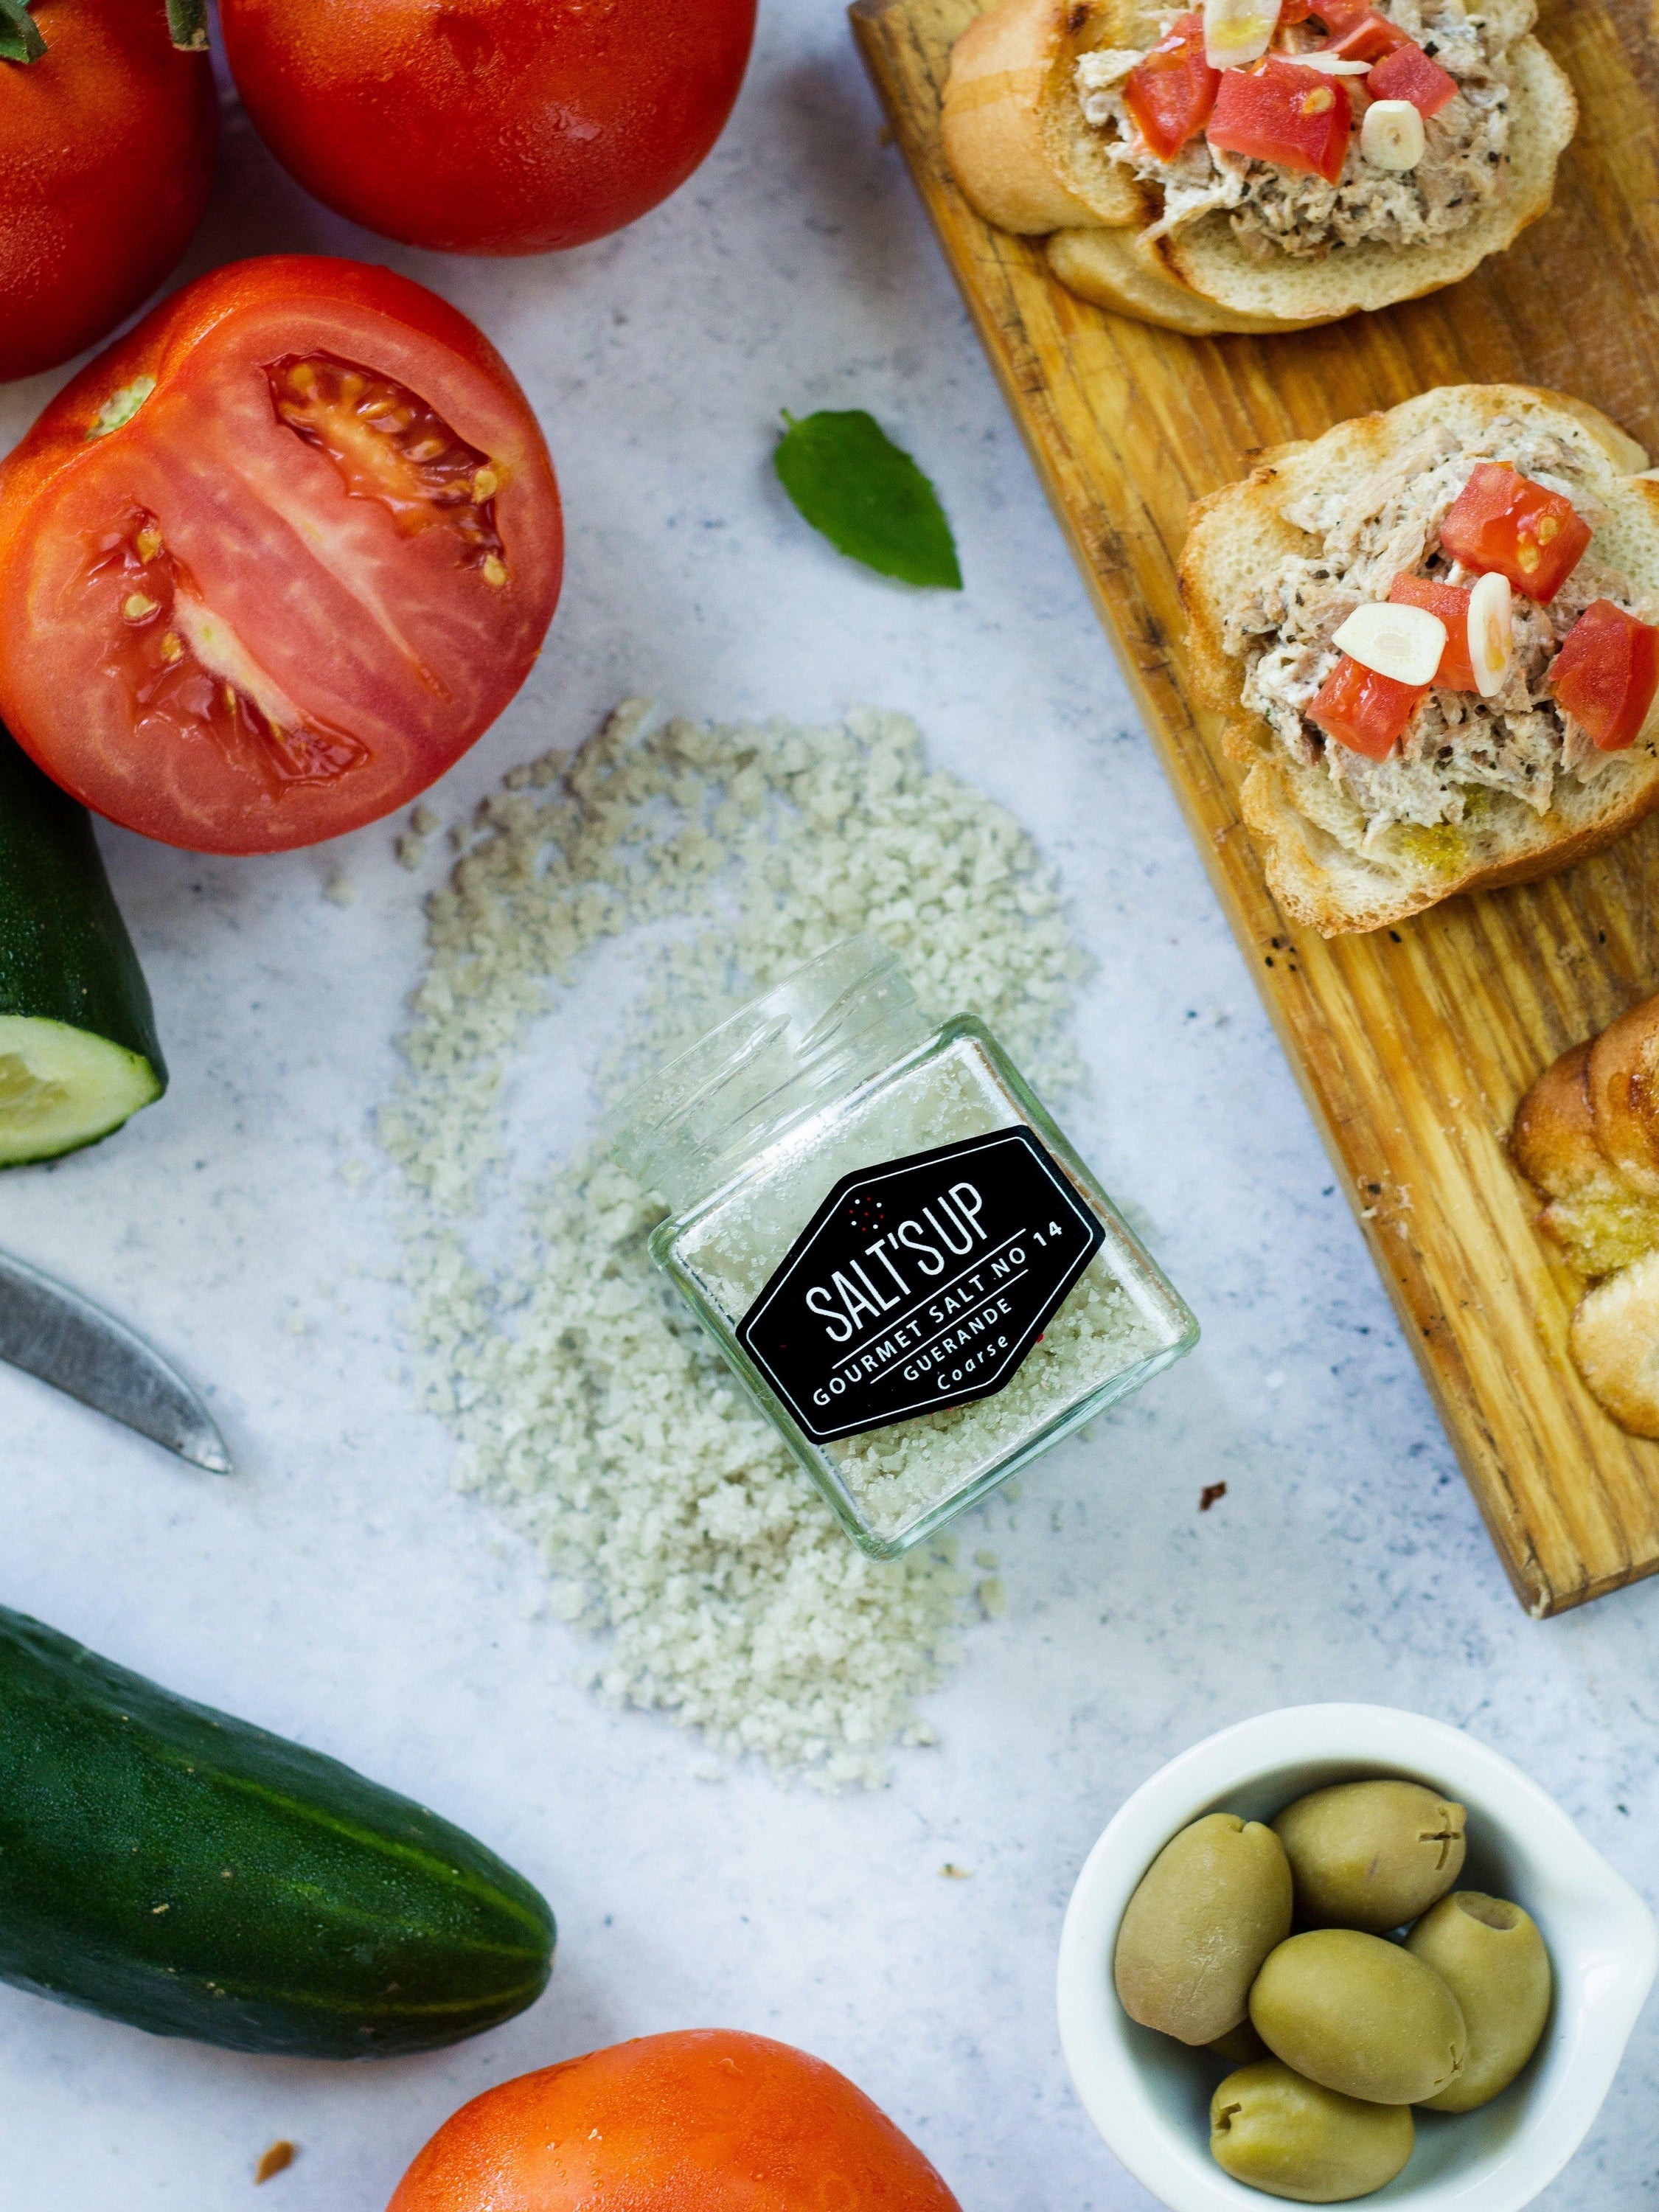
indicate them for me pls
(911, 1270)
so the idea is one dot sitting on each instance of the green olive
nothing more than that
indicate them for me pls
(1492, 1959)
(1240, 2046)
(1278, 2132)
(1370, 1855)
(1208, 1910)
(1359, 2015)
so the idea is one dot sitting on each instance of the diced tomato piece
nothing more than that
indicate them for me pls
(1297, 119)
(1408, 74)
(1363, 710)
(1171, 92)
(1365, 37)
(1503, 520)
(1451, 606)
(1294, 11)
(1338, 16)
(1605, 673)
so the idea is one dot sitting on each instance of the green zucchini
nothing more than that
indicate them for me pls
(168, 1866)
(78, 1052)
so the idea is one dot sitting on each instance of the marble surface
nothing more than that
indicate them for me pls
(337, 1589)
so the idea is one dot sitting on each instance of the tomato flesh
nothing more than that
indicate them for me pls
(273, 562)
(1409, 74)
(1364, 711)
(1297, 119)
(1605, 674)
(1366, 37)
(389, 445)
(1450, 604)
(1502, 521)
(1170, 93)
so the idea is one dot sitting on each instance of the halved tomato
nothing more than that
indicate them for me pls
(275, 560)
(1449, 603)
(1407, 73)
(1504, 520)
(1366, 712)
(1297, 119)
(1171, 92)
(1605, 674)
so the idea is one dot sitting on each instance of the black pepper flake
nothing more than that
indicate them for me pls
(1210, 1494)
(1397, 937)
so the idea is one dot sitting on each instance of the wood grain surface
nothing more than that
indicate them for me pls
(1412, 1045)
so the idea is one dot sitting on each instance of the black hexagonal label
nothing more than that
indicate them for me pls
(920, 1284)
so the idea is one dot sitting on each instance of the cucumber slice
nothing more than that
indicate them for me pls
(78, 1049)
(62, 1087)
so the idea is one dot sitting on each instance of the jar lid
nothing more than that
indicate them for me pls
(828, 1025)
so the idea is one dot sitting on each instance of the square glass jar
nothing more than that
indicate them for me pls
(778, 1142)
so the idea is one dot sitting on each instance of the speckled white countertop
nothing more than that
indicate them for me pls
(338, 1590)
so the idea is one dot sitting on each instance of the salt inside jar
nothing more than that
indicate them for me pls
(910, 1270)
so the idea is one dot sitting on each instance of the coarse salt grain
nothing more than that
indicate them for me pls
(598, 1418)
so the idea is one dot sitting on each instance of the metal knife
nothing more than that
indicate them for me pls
(53, 1331)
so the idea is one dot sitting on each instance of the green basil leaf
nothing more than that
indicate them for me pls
(867, 496)
(188, 21)
(20, 36)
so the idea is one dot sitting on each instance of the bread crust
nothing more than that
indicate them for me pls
(1015, 143)
(1310, 846)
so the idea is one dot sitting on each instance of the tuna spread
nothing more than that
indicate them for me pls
(1464, 163)
(1517, 742)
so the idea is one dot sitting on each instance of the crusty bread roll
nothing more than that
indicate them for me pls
(1013, 134)
(1586, 1136)
(1310, 833)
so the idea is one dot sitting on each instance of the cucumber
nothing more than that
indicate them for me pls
(165, 1865)
(78, 1052)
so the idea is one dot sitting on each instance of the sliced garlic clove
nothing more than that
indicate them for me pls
(1237, 32)
(1397, 640)
(1391, 137)
(1491, 634)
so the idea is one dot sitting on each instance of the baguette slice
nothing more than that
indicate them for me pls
(1107, 267)
(1014, 135)
(1615, 1340)
(1587, 1136)
(1310, 833)
(1015, 142)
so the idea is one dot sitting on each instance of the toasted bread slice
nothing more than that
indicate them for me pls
(1014, 137)
(1599, 1218)
(1614, 1339)
(1587, 1135)
(1104, 266)
(1013, 134)
(1311, 833)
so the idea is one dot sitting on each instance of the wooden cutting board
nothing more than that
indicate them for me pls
(1413, 1045)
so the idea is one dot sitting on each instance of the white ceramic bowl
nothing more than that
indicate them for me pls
(1150, 2097)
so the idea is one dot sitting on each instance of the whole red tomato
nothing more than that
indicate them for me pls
(271, 562)
(488, 126)
(705, 2121)
(105, 156)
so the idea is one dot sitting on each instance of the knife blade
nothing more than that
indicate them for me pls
(53, 1331)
